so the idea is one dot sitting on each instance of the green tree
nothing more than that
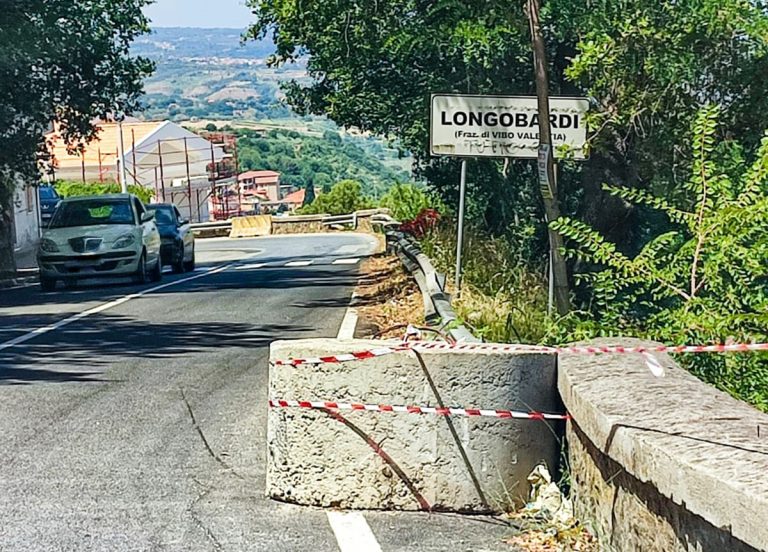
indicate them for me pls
(704, 280)
(70, 188)
(309, 196)
(302, 159)
(649, 64)
(406, 201)
(344, 198)
(62, 62)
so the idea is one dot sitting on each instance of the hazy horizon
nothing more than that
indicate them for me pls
(199, 14)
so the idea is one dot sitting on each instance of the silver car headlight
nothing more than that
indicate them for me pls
(49, 246)
(124, 241)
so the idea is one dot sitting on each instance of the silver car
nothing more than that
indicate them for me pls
(99, 236)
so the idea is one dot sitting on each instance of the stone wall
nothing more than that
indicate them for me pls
(299, 224)
(668, 463)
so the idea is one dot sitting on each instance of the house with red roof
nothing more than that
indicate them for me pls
(294, 200)
(264, 184)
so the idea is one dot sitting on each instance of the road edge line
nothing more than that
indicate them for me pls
(353, 534)
(349, 323)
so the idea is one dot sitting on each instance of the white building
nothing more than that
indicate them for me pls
(161, 156)
(26, 220)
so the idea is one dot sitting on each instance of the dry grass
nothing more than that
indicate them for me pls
(544, 539)
(387, 297)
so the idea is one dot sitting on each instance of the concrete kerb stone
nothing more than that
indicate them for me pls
(457, 464)
(689, 461)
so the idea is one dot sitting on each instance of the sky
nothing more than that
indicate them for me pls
(199, 13)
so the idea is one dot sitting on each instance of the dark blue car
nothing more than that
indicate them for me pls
(178, 240)
(49, 199)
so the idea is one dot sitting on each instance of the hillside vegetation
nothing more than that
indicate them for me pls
(321, 162)
(210, 74)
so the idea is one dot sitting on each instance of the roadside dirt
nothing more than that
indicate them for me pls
(387, 299)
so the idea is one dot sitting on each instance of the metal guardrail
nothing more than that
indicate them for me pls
(437, 302)
(223, 224)
(377, 217)
(340, 219)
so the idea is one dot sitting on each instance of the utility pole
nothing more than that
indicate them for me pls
(547, 180)
(121, 156)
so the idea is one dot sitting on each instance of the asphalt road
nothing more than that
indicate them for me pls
(133, 417)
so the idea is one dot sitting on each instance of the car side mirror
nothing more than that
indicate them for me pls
(183, 222)
(147, 217)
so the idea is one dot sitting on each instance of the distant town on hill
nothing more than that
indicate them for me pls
(210, 77)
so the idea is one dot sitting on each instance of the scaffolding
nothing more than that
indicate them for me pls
(226, 192)
(197, 173)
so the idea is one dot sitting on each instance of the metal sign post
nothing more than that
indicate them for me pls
(504, 127)
(460, 237)
(121, 173)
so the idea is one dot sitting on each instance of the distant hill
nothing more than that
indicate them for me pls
(176, 42)
(213, 74)
(210, 77)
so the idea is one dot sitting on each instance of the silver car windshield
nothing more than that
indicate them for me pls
(92, 212)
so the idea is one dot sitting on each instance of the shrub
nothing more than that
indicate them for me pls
(406, 201)
(344, 198)
(69, 188)
(704, 281)
(503, 298)
(424, 222)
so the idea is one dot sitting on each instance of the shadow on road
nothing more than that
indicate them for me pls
(106, 291)
(80, 352)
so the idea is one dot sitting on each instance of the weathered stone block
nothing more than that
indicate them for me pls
(663, 463)
(454, 464)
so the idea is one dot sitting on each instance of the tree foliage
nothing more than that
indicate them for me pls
(62, 62)
(304, 160)
(70, 188)
(648, 64)
(344, 198)
(406, 201)
(703, 281)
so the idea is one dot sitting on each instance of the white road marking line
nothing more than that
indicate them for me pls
(348, 325)
(101, 308)
(299, 263)
(250, 266)
(352, 532)
(346, 261)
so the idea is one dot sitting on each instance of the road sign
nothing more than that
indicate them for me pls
(503, 126)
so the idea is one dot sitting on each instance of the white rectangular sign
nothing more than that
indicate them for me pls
(503, 126)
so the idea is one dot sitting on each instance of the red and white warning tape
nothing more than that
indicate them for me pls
(438, 411)
(491, 347)
(335, 359)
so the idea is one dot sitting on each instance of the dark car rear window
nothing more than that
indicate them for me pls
(47, 192)
(163, 214)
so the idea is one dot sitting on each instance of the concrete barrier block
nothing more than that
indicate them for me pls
(251, 226)
(460, 464)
